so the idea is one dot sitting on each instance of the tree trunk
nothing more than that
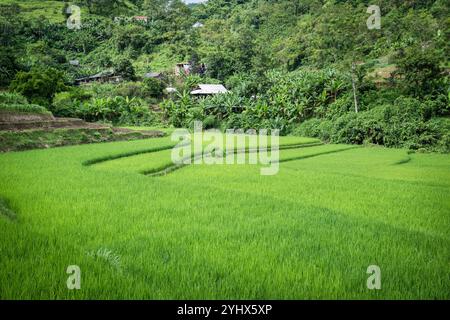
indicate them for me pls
(354, 87)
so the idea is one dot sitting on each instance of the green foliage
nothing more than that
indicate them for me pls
(153, 87)
(68, 103)
(118, 110)
(12, 98)
(8, 65)
(31, 108)
(211, 122)
(246, 85)
(285, 62)
(288, 66)
(124, 89)
(40, 55)
(39, 85)
(34, 9)
(133, 39)
(420, 71)
(42, 139)
(107, 103)
(404, 124)
(124, 68)
(180, 111)
(288, 99)
(15, 102)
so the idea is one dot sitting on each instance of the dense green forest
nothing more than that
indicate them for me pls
(305, 67)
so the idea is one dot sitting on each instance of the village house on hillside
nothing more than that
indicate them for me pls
(170, 90)
(209, 89)
(187, 68)
(75, 63)
(197, 25)
(122, 19)
(103, 76)
(153, 75)
(182, 68)
(141, 18)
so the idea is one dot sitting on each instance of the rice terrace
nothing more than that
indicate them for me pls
(224, 231)
(224, 150)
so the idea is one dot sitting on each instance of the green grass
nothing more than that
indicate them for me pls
(143, 128)
(32, 139)
(224, 231)
(162, 60)
(28, 108)
(5, 211)
(51, 10)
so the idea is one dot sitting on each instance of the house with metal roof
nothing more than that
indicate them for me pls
(209, 89)
(197, 25)
(103, 76)
(154, 75)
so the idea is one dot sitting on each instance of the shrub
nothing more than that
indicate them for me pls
(211, 122)
(309, 128)
(127, 89)
(68, 103)
(420, 71)
(124, 68)
(12, 98)
(245, 85)
(103, 90)
(153, 87)
(400, 125)
(39, 85)
(8, 64)
(178, 112)
(118, 110)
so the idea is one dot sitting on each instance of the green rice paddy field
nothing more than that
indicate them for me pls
(224, 231)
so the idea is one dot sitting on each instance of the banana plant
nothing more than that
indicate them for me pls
(335, 86)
